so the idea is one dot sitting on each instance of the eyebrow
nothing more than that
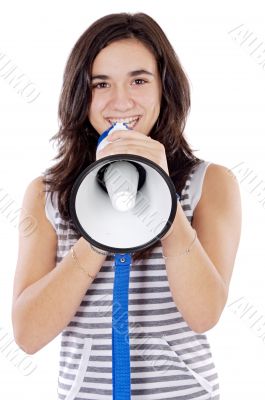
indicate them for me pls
(131, 74)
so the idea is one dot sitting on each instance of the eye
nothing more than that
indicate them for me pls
(100, 85)
(139, 81)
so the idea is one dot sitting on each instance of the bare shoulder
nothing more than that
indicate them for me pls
(33, 208)
(219, 176)
(220, 190)
(33, 205)
(36, 190)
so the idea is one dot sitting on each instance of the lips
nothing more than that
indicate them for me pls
(130, 121)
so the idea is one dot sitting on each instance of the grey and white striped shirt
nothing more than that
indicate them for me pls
(168, 359)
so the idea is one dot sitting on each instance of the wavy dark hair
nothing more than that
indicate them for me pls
(77, 139)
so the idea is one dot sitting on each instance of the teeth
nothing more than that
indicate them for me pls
(126, 121)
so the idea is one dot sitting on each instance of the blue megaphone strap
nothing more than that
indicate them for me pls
(121, 372)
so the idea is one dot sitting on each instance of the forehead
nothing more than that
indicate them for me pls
(126, 54)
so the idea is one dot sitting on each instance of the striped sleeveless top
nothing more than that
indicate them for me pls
(169, 361)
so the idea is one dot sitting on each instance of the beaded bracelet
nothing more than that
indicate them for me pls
(186, 251)
(77, 263)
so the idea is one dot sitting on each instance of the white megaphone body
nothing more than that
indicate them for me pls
(122, 203)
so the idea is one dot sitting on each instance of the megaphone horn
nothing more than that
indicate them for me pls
(123, 203)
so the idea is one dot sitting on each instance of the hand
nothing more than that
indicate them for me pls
(133, 142)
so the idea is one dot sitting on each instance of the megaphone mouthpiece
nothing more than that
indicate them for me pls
(120, 178)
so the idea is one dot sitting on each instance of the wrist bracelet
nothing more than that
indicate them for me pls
(77, 263)
(186, 251)
(96, 250)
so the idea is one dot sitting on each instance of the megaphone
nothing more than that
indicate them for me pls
(122, 203)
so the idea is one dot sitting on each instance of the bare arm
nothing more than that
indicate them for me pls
(45, 298)
(200, 281)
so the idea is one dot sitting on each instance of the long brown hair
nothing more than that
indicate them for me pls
(77, 139)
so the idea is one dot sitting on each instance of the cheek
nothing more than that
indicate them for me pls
(98, 104)
(151, 102)
(154, 106)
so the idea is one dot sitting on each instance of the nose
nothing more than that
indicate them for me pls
(122, 99)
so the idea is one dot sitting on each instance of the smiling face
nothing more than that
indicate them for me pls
(126, 87)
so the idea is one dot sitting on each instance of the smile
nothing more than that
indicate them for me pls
(130, 121)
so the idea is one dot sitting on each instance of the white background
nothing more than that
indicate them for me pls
(226, 126)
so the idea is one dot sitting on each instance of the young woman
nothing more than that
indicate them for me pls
(123, 69)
